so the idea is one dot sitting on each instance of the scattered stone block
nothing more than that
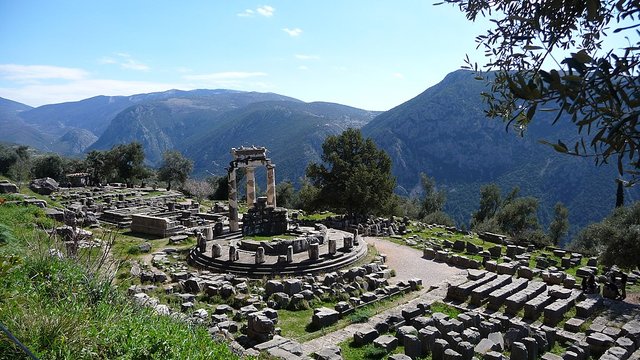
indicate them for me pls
(386, 342)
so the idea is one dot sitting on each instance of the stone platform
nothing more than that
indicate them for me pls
(300, 264)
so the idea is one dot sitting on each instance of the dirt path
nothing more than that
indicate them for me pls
(408, 263)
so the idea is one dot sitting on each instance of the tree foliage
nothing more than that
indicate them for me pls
(50, 165)
(596, 87)
(355, 176)
(616, 238)
(560, 224)
(434, 199)
(286, 194)
(490, 201)
(174, 168)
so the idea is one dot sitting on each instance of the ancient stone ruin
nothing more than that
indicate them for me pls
(248, 159)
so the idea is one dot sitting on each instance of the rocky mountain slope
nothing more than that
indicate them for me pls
(443, 132)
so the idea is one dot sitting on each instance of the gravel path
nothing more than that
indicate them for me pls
(408, 263)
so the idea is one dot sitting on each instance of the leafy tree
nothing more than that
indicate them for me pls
(560, 224)
(400, 205)
(356, 175)
(615, 238)
(308, 196)
(596, 87)
(490, 201)
(434, 200)
(285, 194)
(519, 217)
(174, 168)
(8, 158)
(438, 217)
(128, 159)
(50, 165)
(220, 186)
(99, 166)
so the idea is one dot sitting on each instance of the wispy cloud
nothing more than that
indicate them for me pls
(295, 32)
(38, 94)
(227, 75)
(125, 61)
(17, 72)
(265, 10)
(303, 67)
(306, 57)
(398, 75)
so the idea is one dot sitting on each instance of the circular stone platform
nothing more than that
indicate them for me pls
(301, 263)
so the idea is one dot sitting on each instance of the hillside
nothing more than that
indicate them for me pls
(15, 130)
(443, 132)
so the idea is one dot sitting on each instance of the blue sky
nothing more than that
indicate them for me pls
(368, 54)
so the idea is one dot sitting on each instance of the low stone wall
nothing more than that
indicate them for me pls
(278, 247)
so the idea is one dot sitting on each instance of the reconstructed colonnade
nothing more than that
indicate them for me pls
(249, 158)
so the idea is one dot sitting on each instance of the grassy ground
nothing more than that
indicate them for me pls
(59, 310)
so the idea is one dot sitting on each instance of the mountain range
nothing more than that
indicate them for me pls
(442, 132)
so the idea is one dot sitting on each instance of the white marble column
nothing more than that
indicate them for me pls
(271, 185)
(251, 186)
(233, 201)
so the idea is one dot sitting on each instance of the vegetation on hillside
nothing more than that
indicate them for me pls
(59, 310)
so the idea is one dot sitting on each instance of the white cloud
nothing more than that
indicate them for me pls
(264, 10)
(17, 72)
(303, 67)
(295, 32)
(246, 13)
(306, 57)
(398, 75)
(228, 75)
(125, 61)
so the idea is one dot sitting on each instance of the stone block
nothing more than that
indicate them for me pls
(386, 342)
(364, 336)
(323, 317)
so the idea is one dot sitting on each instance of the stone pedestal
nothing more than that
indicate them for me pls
(332, 246)
(314, 252)
(202, 243)
(208, 233)
(233, 253)
(348, 243)
(216, 251)
(260, 255)
(290, 254)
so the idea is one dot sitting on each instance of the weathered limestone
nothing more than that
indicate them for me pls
(271, 185)
(259, 255)
(314, 251)
(216, 251)
(332, 246)
(233, 201)
(348, 243)
(250, 173)
(289, 254)
(233, 253)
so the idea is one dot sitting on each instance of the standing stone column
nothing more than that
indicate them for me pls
(233, 201)
(314, 251)
(290, 254)
(271, 185)
(216, 251)
(332, 246)
(260, 255)
(233, 253)
(251, 186)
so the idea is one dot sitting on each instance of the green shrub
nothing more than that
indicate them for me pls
(361, 315)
